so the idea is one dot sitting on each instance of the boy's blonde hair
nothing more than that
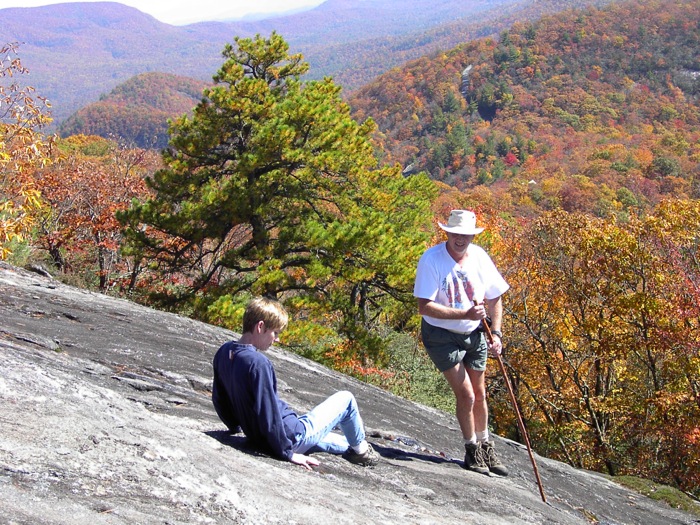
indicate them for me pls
(270, 311)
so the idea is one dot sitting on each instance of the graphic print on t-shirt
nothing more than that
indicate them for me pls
(458, 289)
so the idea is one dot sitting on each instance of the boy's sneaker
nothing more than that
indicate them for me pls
(492, 462)
(368, 459)
(475, 458)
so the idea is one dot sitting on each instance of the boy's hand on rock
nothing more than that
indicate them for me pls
(304, 461)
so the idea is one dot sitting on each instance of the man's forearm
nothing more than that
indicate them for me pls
(495, 309)
(439, 311)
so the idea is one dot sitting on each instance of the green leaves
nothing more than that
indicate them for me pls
(272, 188)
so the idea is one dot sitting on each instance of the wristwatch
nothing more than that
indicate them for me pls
(498, 333)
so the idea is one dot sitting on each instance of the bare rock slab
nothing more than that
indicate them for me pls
(106, 418)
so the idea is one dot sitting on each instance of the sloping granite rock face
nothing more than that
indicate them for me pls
(106, 418)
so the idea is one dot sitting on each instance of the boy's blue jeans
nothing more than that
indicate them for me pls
(339, 410)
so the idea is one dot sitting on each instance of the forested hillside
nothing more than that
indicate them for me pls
(355, 64)
(353, 42)
(595, 111)
(138, 110)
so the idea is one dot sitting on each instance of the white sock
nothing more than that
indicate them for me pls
(482, 436)
(470, 441)
(362, 447)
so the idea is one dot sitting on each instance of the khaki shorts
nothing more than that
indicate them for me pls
(446, 348)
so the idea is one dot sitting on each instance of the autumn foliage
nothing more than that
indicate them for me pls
(603, 345)
(577, 141)
(592, 111)
(137, 112)
(85, 188)
(22, 150)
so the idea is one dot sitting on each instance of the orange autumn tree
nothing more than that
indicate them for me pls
(94, 179)
(22, 149)
(603, 340)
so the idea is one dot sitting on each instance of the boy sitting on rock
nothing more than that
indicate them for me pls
(245, 395)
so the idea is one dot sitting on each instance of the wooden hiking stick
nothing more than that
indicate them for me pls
(521, 425)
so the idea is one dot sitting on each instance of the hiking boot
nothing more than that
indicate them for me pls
(368, 459)
(492, 462)
(475, 458)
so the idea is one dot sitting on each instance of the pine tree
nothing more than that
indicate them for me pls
(272, 188)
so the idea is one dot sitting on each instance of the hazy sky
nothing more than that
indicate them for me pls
(180, 12)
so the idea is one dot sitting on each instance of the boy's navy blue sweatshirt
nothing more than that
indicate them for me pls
(245, 394)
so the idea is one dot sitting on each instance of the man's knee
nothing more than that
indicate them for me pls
(465, 397)
(479, 392)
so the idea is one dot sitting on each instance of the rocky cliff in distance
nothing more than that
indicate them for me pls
(106, 418)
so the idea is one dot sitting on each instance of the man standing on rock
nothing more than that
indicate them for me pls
(453, 281)
(245, 395)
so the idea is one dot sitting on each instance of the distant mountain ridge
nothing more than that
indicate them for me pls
(77, 52)
(138, 110)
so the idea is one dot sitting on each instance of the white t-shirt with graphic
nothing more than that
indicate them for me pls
(440, 279)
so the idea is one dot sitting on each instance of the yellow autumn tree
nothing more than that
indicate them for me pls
(22, 149)
(603, 340)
